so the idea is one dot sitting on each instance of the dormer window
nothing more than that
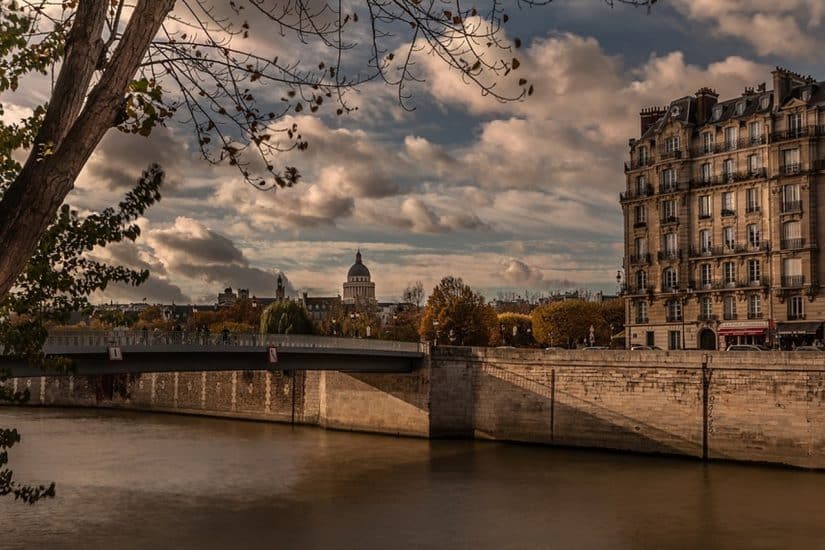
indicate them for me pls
(740, 108)
(765, 101)
(806, 95)
(717, 112)
(675, 111)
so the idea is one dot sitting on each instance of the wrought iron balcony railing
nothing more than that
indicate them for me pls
(792, 281)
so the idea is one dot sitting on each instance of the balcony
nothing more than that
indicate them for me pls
(728, 249)
(754, 315)
(636, 289)
(637, 193)
(673, 318)
(640, 258)
(741, 143)
(641, 320)
(639, 224)
(732, 177)
(752, 208)
(705, 216)
(792, 281)
(671, 187)
(708, 317)
(667, 220)
(792, 169)
(797, 133)
(670, 155)
(789, 207)
(669, 255)
(791, 244)
(638, 163)
(729, 316)
(727, 212)
(796, 316)
(668, 287)
(755, 282)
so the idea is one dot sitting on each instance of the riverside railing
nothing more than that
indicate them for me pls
(199, 340)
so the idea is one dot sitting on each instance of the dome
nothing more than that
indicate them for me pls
(358, 269)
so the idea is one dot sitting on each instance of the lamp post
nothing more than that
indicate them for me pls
(435, 329)
(334, 332)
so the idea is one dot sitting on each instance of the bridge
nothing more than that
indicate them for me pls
(120, 352)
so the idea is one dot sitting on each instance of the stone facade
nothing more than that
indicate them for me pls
(745, 406)
(723, 229)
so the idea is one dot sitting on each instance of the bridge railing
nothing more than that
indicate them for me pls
(97, 339)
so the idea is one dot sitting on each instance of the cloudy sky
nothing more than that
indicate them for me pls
(509, 196)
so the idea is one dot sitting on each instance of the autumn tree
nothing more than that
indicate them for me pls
(414, 294)
(513, 329)
(612, 311)
(457, 314)
(567, 323)
(133, 66)
(286, 317)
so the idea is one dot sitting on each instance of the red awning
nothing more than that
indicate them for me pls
(741, 331)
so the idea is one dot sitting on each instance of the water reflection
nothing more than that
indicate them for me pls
(135, 480)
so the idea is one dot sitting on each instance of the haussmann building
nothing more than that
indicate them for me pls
(722, 219)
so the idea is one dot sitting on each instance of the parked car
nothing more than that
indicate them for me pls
(746, 347)
(639, 347)
(814, 349)
(595, 348)
(554, 348)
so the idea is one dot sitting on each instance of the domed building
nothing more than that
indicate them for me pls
(359, 286)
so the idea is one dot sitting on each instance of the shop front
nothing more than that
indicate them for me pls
(799, 333)
(744, 332)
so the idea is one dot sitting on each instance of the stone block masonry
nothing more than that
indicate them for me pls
(764, 407)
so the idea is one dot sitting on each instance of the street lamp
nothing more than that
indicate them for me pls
(334, 332)
(435, 329)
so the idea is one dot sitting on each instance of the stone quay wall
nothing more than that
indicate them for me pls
(763, 407)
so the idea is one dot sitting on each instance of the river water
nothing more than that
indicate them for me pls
(140, 480)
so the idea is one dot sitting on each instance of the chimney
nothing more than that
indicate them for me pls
(784, 81)
(650, 115)
(706, 98)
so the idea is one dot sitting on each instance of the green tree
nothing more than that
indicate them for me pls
(567, 323)
(458, 314)
(287, 317)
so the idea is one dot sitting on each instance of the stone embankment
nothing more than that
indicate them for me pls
(751, 407)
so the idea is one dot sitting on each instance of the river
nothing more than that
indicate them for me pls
(141, 480)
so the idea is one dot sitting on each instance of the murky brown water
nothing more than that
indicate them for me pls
(137, 480)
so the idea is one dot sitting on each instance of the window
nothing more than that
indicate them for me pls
(674, 339)
(728, 204)
(728, 237)
(674, 310)
(754, 164)
(752, 199)
(639, 214)
(670, 244)
(729, 169)
(641, 280)
(706, 274)
(730, 138)
(706, 308)
(754, 236)
(796, 309)
(670, 279)
(668, 180)
(640, 246)
(707, 142)
(765, 102)
(754, 306)
(729, 307)
(641, 311)
(717, 112)
(641, 186)
(792, 272)
(643, 155)
(675, 111)
(754, 272)
(729, 273)
(791, 199)
(790, 161)
(795, 124)
(740, 108)
(706, 173)
(704, 206)
(669, 211)
(672, 144)
(791, 235)
(755, 131)
(705, 244)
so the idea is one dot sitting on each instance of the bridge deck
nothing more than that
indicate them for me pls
(179, 351)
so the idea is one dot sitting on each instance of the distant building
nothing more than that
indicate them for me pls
(319, 307)
(359, 285)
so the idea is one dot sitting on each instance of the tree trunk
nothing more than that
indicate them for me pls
(69, 135)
